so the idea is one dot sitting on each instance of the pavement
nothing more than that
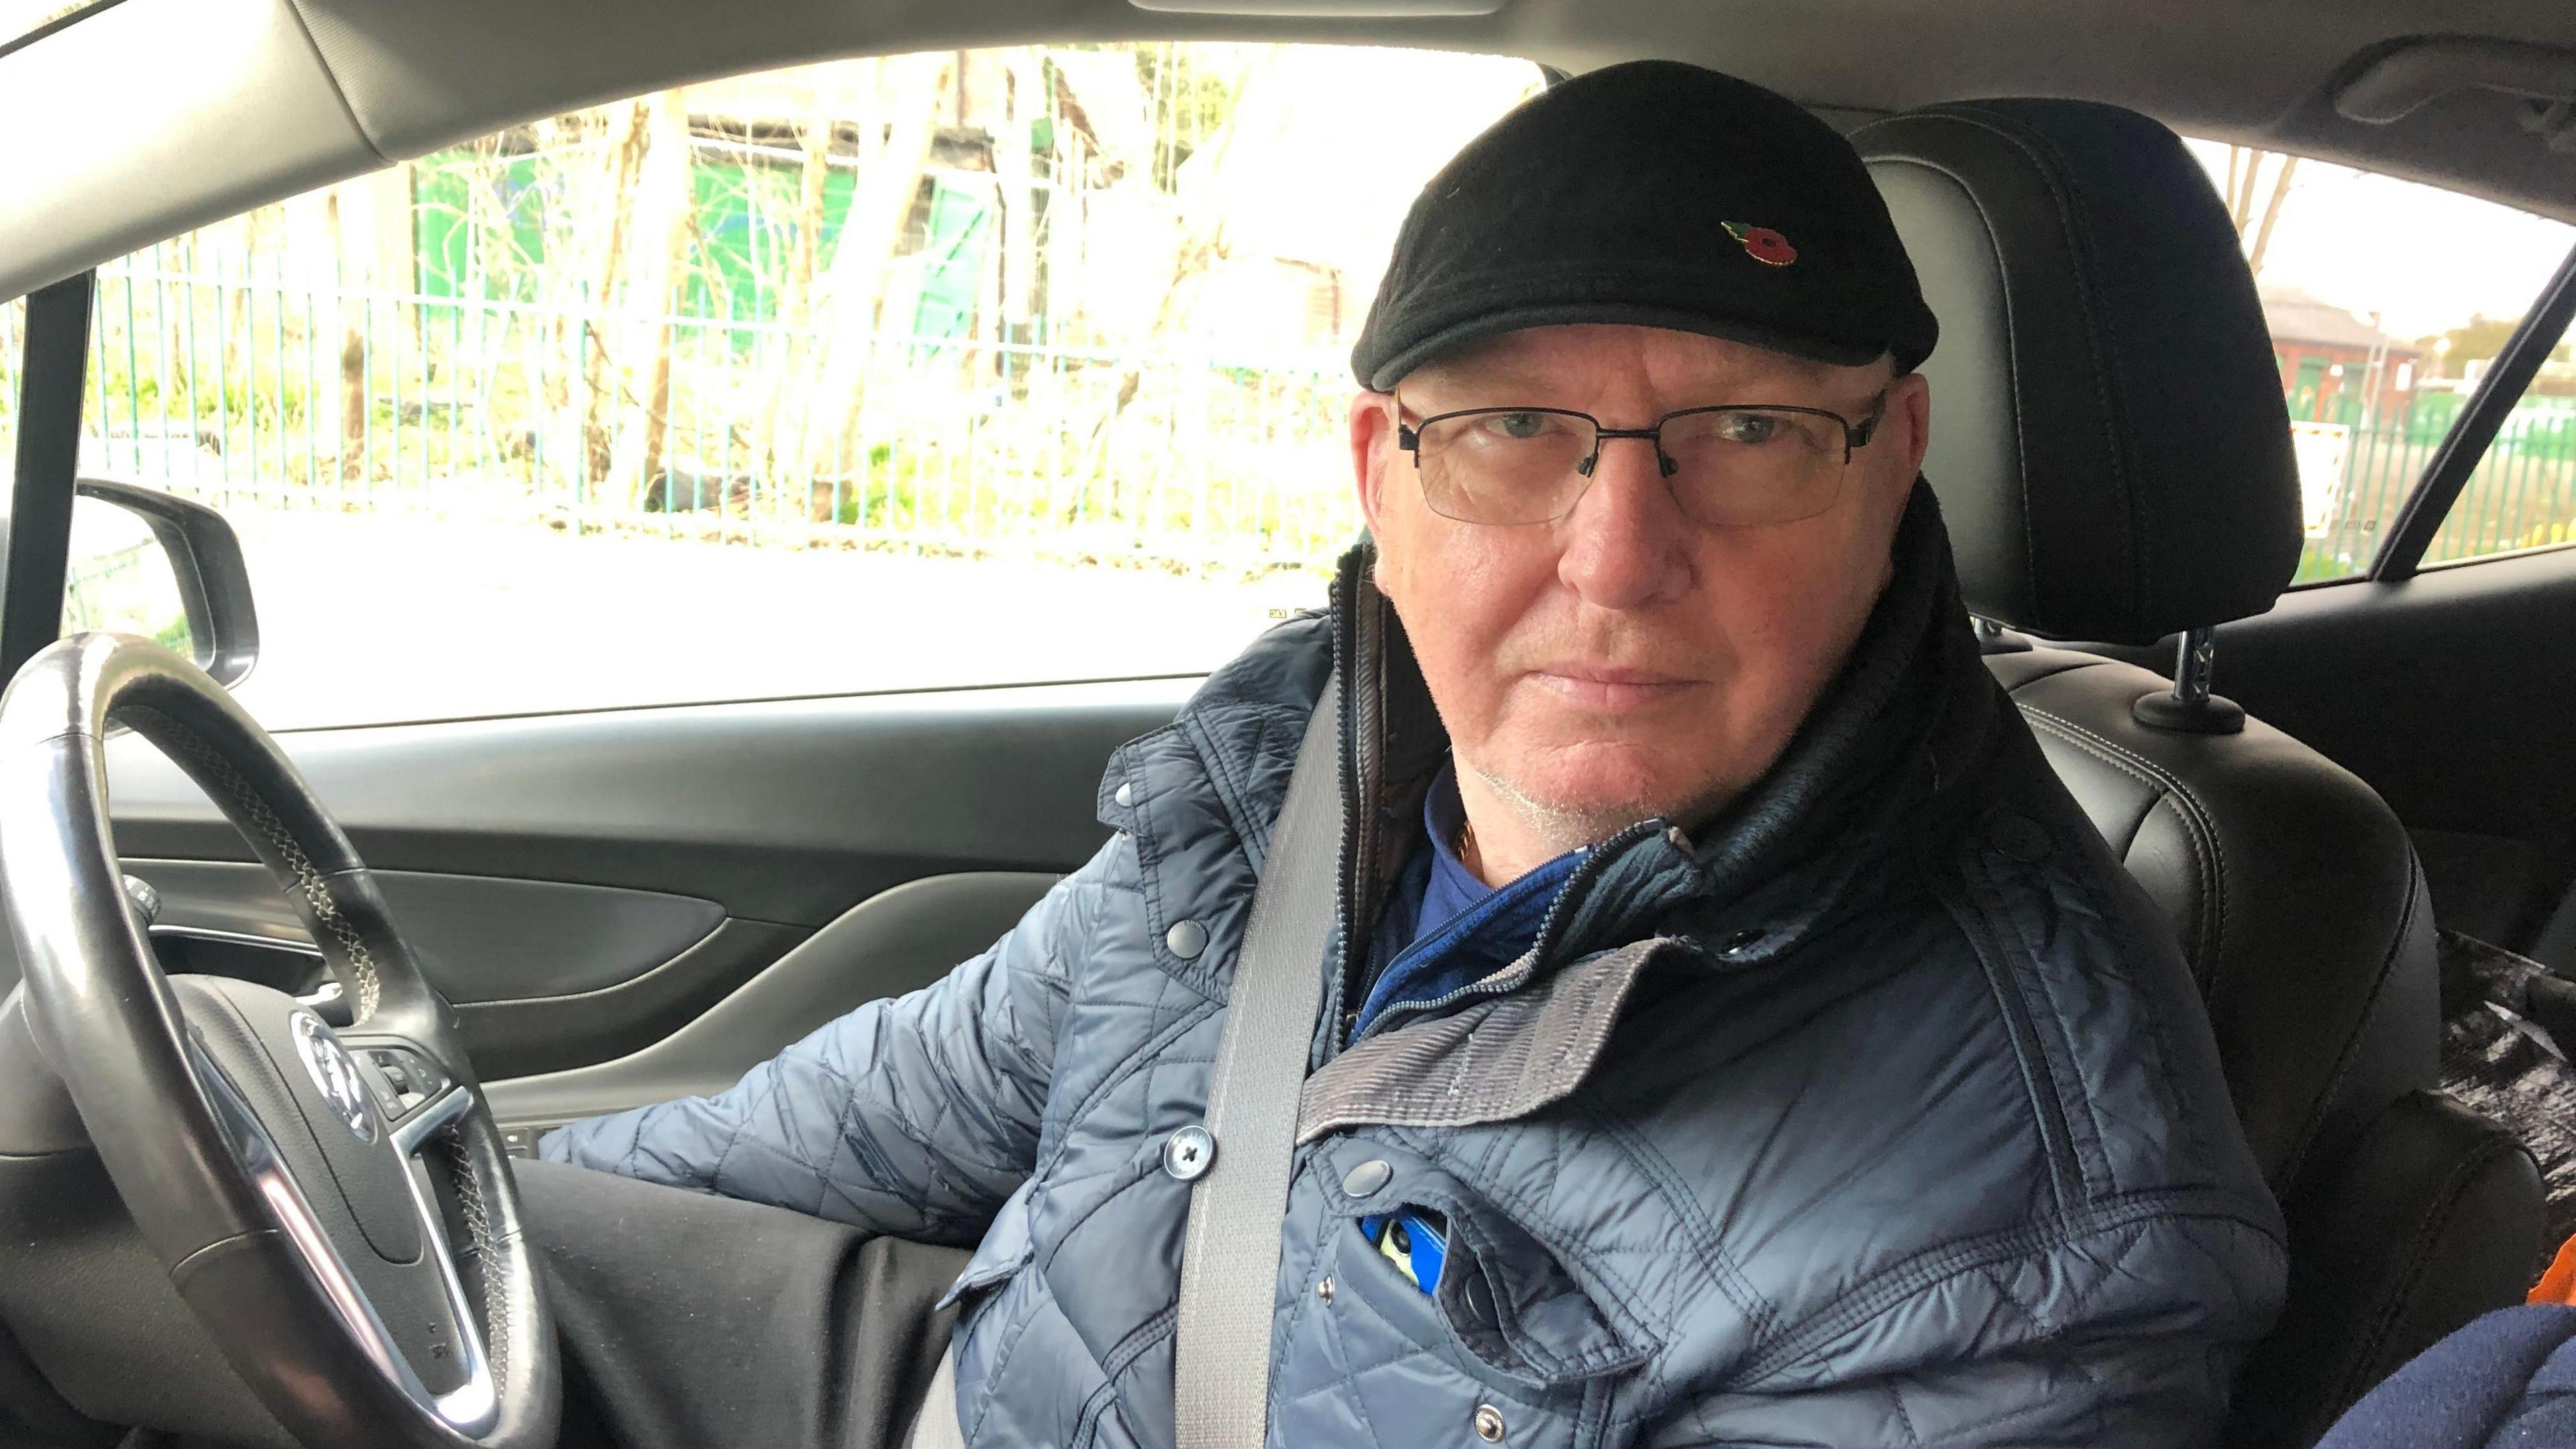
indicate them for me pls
(373, 619)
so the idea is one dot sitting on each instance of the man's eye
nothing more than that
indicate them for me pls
(1519, 425)
(1748, 428)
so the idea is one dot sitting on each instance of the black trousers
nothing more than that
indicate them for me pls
(692, 1322)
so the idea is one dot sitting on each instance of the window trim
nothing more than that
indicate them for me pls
(2428, 505)
(21, 42)
(37, 524)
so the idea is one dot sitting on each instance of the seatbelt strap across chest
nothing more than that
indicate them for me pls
(1230, 1257)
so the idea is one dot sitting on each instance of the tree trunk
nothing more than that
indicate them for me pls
(667, 202)
(621, 167)
(2271, 215)
(353, 335)
(894, 146)
(785, 409)
(1202, 247)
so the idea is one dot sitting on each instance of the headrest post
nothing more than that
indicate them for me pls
(1994, 638)
(2189, 707)
(2195, 659)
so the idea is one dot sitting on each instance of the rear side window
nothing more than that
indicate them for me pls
(2523, 492)
(966, 368)
(2387, 300)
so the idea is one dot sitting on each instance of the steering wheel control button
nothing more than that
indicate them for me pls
(405, 1079)
(146, 900)
(334, 1075)
(1366, 1179)
(1189, 1153)
(1187, 939)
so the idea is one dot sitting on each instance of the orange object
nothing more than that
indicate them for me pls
(2558, 1285)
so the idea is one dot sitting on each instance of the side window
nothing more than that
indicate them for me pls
(2523, 492)
(2387, 300)
(976, 367)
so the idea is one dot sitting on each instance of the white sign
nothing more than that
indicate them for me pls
(2323, 450)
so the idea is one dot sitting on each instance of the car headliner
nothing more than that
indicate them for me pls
(142, 118)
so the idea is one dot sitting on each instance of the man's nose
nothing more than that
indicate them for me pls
(1624, 541)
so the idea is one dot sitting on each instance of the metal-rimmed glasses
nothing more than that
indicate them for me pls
(1727, 466)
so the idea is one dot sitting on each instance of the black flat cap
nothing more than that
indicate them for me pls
(1659, 194)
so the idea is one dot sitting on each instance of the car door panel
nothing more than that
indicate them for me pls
(2450, 693)
(586, 886)
(784, 811)
(480, 938)
(895, 941)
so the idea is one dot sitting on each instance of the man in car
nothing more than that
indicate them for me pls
(1734, 1033)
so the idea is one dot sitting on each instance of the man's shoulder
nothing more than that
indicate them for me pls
(1284, 668)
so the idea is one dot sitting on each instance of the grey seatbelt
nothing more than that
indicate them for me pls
(1230, 1259)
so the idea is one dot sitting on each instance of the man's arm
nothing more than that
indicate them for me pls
(915, 1116)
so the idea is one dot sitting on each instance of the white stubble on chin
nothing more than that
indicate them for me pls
(1559, 827)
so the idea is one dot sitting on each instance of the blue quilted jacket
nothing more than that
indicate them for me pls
(1879, 1110)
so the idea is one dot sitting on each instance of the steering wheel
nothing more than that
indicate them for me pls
(335, 1206)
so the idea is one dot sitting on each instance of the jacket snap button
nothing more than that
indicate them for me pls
(1324, 1290)
(2016, 838)
(1187, 939)
(1188, 1153)
(1489, 1423)
(1366, 1178)
(1126, 794)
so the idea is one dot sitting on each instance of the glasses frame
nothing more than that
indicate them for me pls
(1856, 435)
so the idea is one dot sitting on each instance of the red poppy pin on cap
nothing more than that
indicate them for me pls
(1763, 244)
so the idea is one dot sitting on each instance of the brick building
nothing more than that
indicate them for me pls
(2332, 360)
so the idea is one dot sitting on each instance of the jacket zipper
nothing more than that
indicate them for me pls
(1511, 976)
(1353, 754)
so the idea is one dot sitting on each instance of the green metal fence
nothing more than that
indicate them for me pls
(248, 386)
(2522, 494)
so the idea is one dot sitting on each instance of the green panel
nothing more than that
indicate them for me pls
(952, 281)
(2303, 393)
(747, 237)
(446, 238)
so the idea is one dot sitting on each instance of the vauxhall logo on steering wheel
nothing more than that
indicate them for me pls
(335, 1073)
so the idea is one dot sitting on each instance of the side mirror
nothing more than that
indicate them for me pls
(145, 562)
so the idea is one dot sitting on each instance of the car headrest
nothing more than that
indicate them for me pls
(2109, 441)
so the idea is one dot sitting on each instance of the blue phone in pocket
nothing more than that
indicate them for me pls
(1417, 1243)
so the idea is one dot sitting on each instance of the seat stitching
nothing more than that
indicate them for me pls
(2046, 166)
(2209, 853)
(2306, 1140)
(2419, 1245)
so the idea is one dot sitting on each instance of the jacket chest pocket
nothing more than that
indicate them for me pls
(1504, 1347)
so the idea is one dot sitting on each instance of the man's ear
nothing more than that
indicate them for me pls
(1909, 401)
(1372, 427)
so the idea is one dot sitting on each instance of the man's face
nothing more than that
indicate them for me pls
(1625, 660)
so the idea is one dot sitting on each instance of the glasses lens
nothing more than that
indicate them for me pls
(1504, 466)
(1745, 466)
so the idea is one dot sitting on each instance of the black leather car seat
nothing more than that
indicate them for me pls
(2112, 453)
